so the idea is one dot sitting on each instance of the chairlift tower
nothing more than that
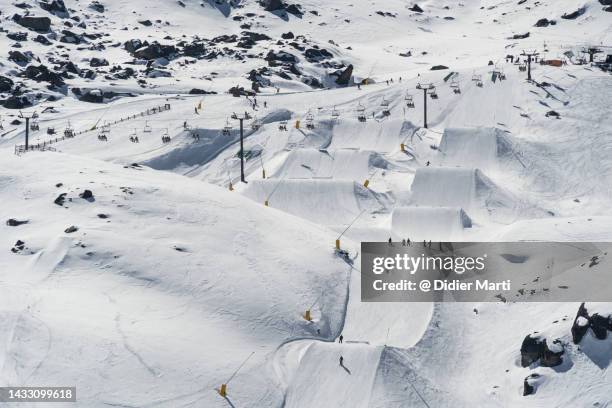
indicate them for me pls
(425, 88)
(591, 51)
(241, 119)
(27, 116)
(529, 55)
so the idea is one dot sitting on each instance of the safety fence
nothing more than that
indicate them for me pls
(69, 134)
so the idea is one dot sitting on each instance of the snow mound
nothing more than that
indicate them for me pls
(384, 136)
(338, 164)
(330, 202)
(475, 147)
(469, 189)
(429, 223)
(322, 382)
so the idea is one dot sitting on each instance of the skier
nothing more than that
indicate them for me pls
(408, 241)
(196, 110)
(430, 243)
(340, 339)
(404, 242)
(341, 360)
(391, 242)
(428, 163)
(265, 104)
(359, 86)
(185, 125)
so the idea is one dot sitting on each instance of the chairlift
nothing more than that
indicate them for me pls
(102, 137)
(409, 101)
(69, 131)
(50, 130)
(34, 127)
(166, 137)
(432, 93)
(385, 107)
(227, 129)
(283, 125)
(255, 124)
(361, 112)
(309, 120)
(147, 127)
(478, 80)
(335, 114)
(134, 137)
(455, 87)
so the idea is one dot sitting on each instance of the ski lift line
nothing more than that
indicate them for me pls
(351, 223)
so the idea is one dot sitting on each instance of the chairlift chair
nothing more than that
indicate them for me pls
(133, 137)
(69, 131)
(335, 114)
(147, 127)
(432, 93)
(361, 113)
(309, 120)
(255, 124)
(385, 107)
(409, 101)
(455, 87)
(283, 125)
(166, 137)
(227, 128)
(34, 126)
(50, 130)
(478, 80)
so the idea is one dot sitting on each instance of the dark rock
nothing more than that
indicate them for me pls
(71, 38)
(6, 84)
(544, 22)
(273, 5)
(18, 247)
(416, 8)
(11, 222)
(17, 102)
(56, 7)
(535, 349)
(575, 14)
(240, 91)
(97, 6)
(294, 9)
(528, 385)
(520, 36)
(60, 199)
(41, 24)
(87, 195)
(146, 23)
(19, 57)
(18, 36)
(71, 229)
(345, 77)
(316, 55)
(288, 35)
(103, 216)
(98, 62)
(41, 73)
(196, 91)
(438, 67)
(155, 50)
(42, 40)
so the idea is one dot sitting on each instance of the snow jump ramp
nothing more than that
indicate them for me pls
(467, 188)
(320, 380)
(483, 148)
(429, 223)
(382, 136)
(330, 202)
(343, 164)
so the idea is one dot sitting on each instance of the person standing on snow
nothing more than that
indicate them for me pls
(341, 360)
(340, 339)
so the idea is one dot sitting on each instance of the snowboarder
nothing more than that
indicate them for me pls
(403, 242)
(185, 125)
(390, 242)
(318, 332)
(359, 86)
(428, 163)
(341, 360)
(340, 339)
(429, 243)
(408, 241)
(265, 104)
